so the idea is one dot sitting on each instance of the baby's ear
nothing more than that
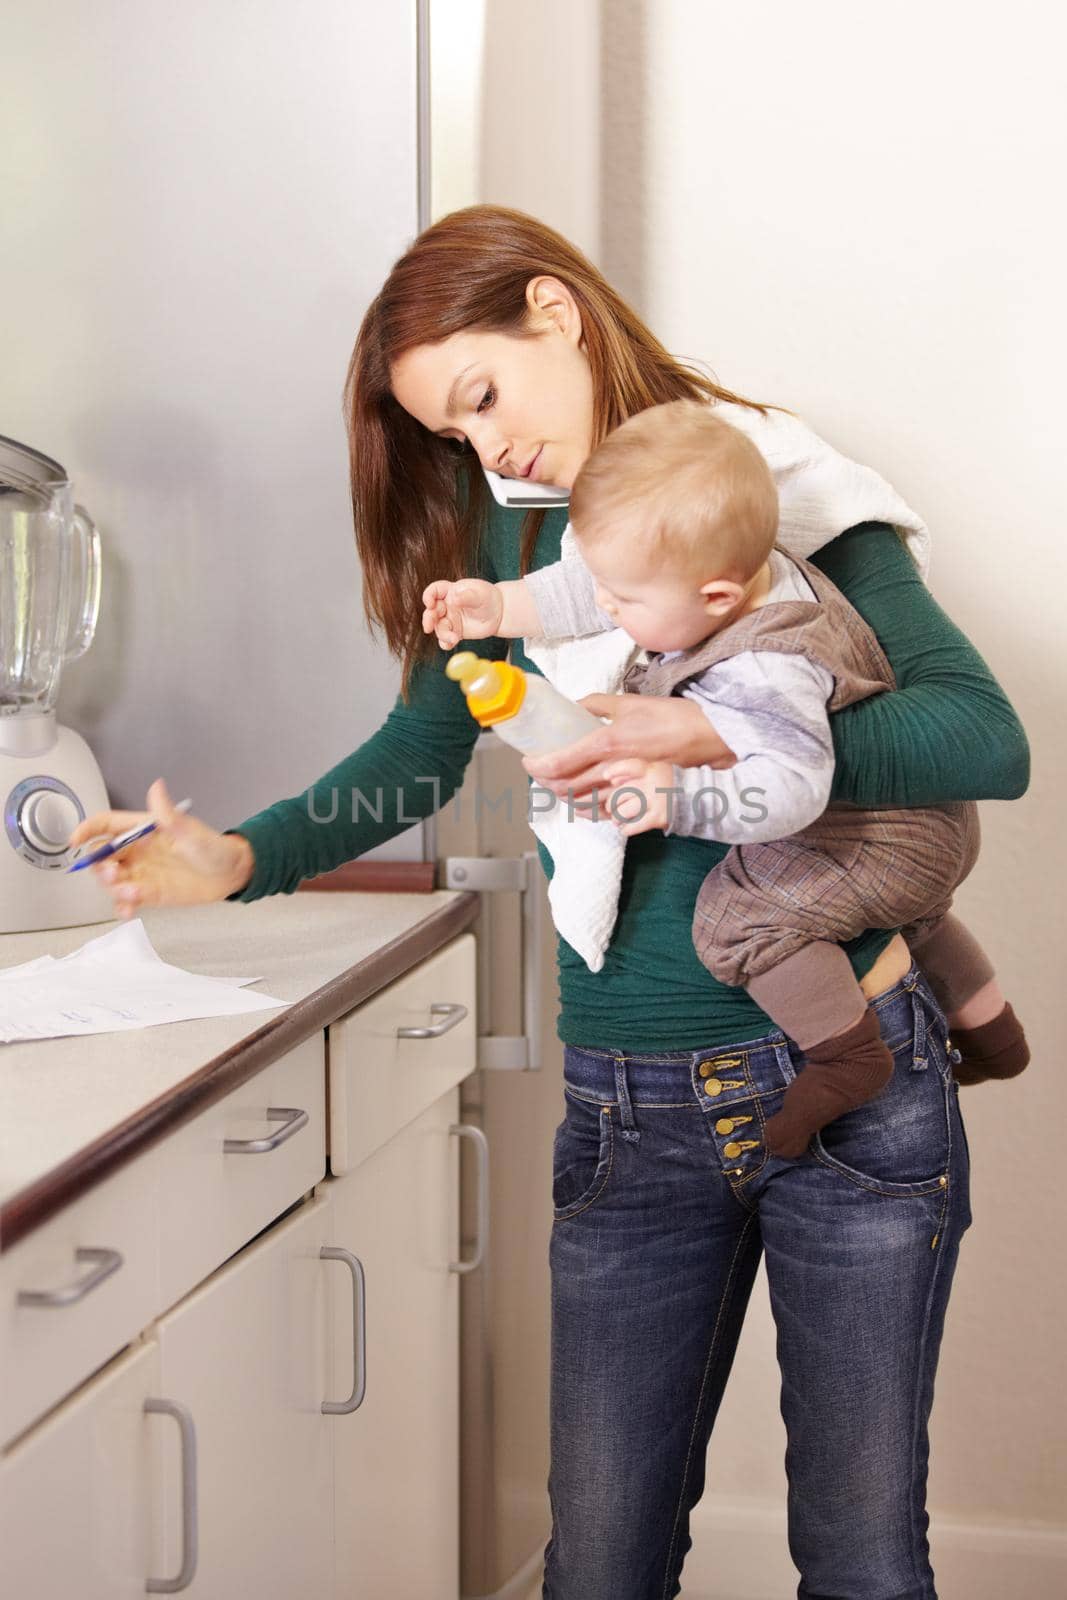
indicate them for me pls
(721, 595)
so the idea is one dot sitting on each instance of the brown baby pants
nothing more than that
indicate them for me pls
(850, 870)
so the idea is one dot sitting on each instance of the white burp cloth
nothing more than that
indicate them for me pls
(586, 856)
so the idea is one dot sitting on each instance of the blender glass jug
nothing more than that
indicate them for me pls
(49, 579)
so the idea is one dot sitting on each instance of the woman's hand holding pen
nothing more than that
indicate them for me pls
(183, 862)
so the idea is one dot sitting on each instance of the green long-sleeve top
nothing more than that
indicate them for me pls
(947, 733)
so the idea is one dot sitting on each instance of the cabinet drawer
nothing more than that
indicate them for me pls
(380, 1080)
(86, 1309)
(213, 1200)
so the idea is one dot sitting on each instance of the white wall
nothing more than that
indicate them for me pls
(853, 211)
(851, 214)
(539, 146)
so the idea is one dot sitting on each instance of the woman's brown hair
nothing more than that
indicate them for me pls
(419, 508)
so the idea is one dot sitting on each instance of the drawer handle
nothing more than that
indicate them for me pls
(190, 1535)
(452, 1014)
(107, 1262)
(340, 1408)
(466, 1130)
(294, 1120)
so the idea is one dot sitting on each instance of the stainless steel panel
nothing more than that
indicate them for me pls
(200, 201)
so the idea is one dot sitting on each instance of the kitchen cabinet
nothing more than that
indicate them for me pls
(277, 1293)
(78, 1504)
(76, 1291)
(247, 1354)
(396, 1459)
(397, 1054)
(230, 1171)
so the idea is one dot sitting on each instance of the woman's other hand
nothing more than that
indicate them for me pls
(645, 728)
(469, 609)
(184, 862)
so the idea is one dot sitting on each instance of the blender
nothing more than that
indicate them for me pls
(49, 778)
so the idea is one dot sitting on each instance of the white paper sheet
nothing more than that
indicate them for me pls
(114, 983)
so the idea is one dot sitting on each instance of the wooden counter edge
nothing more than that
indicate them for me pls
(32, 1206)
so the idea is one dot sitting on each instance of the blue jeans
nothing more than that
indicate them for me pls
(665, 1197)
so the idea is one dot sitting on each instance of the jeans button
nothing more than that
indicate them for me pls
(724, 1125)
(713, 1088)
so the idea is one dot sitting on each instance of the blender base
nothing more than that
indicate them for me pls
(34, 898)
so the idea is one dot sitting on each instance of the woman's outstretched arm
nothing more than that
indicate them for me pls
(405, 771)
(948, 732)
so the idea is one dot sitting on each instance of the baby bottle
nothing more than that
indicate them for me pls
(522, 708)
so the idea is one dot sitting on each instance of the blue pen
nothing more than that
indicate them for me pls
(121, 840)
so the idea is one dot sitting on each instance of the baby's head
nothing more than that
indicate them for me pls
(676, 514)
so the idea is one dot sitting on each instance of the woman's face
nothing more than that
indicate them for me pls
(525, 405)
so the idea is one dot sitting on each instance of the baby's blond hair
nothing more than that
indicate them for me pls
(691, 489)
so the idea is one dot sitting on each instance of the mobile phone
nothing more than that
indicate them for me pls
(517, 492)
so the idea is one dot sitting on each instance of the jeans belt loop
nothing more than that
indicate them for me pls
(784, 1060)
(626, 1110)
(919, 1060)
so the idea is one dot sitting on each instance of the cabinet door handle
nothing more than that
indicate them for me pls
(466, 1130)
(190, 1529)
(107, 1262)
(294, 1120)
(452, 1013)
(340, 1408)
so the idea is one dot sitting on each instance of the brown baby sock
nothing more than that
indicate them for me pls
(997, 1049)
(841, 1073)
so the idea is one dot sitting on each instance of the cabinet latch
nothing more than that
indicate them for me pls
(512, 875)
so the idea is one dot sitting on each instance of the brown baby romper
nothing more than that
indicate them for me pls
(851, 869)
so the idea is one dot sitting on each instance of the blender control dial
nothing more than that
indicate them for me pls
(47, 820)
(39, 816)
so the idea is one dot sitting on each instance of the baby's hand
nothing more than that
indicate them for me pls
(469, 609)
(637, 801)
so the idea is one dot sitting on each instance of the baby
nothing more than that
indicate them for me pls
(676, 516)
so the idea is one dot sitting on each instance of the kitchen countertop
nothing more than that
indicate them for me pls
(74, 1110)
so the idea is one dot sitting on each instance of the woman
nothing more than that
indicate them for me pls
(495, 344)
